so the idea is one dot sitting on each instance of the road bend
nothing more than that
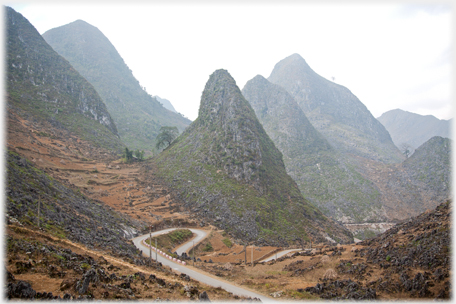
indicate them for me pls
(206, 279)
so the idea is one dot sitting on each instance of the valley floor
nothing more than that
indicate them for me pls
(387, 267)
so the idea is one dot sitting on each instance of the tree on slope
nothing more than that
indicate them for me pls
(166, 136)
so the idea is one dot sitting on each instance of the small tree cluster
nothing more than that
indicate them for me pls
(139, 154)
(129, 155)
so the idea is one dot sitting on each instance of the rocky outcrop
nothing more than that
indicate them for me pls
(227, 171)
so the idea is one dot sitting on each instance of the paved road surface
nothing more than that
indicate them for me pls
(206, 279)
(279, 254)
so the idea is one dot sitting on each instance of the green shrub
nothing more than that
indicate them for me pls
(227, 242)
(208, 247)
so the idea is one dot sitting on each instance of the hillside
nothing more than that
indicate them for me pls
(137, 114)
(424, 179)
(321, 172)
(225, 169)
(419, 183)
(335, 112)
(413, 129)
(42, 85)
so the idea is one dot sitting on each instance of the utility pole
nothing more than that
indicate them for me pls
(245, 254)
(193, 250)
(252, 255)
(39, 202)
(156, 251)
(150, 245)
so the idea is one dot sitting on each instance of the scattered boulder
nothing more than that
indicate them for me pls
(203, 297)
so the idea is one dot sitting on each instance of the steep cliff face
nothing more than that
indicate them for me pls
(137, 114)
(42, 83)
(323, 174)
(413, 129)
(335, 112)
(227, 170)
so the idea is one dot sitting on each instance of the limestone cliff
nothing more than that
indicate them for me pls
(226, 170)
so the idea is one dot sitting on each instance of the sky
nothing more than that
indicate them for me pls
(389, 54)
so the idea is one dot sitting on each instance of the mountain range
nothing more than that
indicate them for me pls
(137, 114)
(275, 162)
(288, 162)
(340, 156)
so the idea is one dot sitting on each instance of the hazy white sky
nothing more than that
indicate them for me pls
(392, 55)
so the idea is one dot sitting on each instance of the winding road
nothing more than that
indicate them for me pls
(204, 278)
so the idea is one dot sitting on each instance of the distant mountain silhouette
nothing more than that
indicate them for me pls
(166, 103)
(413, 129)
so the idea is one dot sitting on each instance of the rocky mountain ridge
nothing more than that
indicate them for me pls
(137, 114)
(335, 112)
(413, 258)
(226, 170)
